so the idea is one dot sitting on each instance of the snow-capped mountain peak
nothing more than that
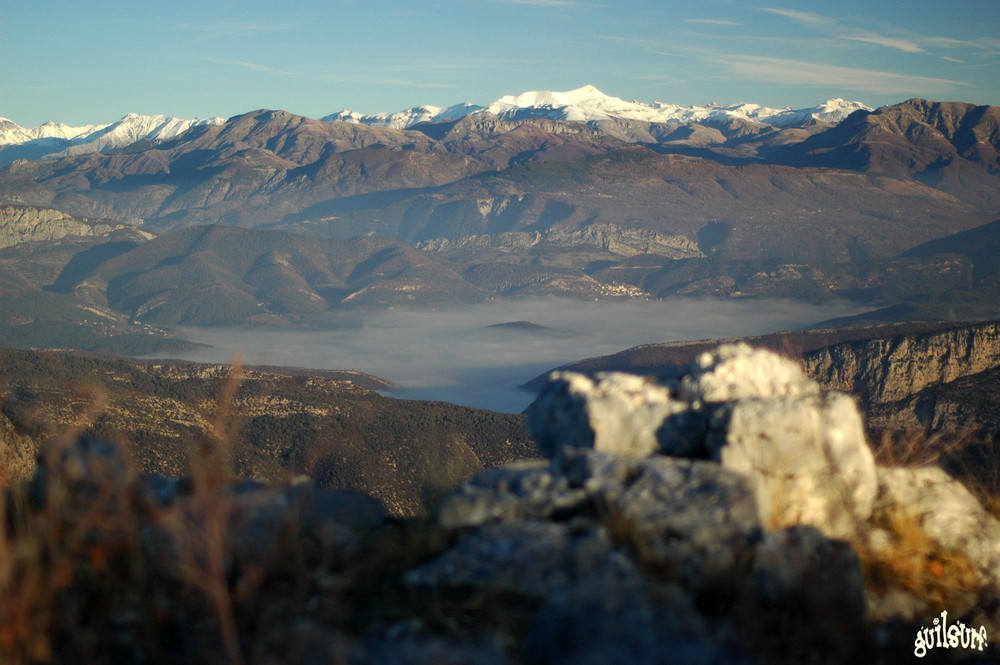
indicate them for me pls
(59, 139)
(584, 104)
(589, 104)
(135, 127)
(11, 133)
(407, 118)
(587, 95)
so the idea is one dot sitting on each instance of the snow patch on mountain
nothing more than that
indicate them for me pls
(588, 104)
(134, 127)
(12, 134)
(64, 139)
(407, 118)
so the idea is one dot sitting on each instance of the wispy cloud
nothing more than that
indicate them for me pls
(712, 21)
(802, 17)
(889, 42)
(797, 72)
(901, 39)
(247, 65)
(982, 44)
(837, 29)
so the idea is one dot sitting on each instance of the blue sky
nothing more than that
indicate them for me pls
(83, 63)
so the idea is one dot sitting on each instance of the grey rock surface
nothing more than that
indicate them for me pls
(806, 457)
(736, 371)
(753, 411)
(531, 559)
(520, 491)
(691, 521)
(613, 412)
(21, 224)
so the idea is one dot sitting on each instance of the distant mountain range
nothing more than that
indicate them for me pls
(588, 104)
(585, 104)
(483, 202)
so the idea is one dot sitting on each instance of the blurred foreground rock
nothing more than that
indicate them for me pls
(728, 513)
(751, 411)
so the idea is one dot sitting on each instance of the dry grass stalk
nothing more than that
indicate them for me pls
(916, 563)
(87, 529)
(202, 530)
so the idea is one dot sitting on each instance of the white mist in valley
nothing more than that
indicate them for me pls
(455, 356)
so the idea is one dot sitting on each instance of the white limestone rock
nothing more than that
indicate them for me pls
(806, 457)
(613, 412)
(737, 371)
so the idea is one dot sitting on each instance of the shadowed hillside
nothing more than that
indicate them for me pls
(278, 423)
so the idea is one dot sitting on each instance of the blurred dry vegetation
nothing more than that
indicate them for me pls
(282, 423)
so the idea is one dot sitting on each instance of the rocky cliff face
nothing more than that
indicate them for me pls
(893, 368)
(20, 224)
(611, 237)
(915, 376)
(898, 379)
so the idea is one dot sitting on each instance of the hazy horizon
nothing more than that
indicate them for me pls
(451, 355)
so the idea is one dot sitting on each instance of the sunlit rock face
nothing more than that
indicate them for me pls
(752, 411)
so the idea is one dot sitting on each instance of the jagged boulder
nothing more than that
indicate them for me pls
(528, 490)
(613, 412)
(530, 559)
(581, 595)
(806, 458)
(691, 521)
(734, 372)
(753, 411)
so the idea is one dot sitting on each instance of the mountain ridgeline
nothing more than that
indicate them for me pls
(929, 166)
(270, 218)
(728, 511)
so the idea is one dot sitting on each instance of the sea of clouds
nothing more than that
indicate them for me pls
(453, 355)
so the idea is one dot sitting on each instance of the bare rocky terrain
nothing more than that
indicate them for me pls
(655, 529)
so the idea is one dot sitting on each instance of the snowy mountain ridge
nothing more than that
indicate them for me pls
(588, 104)
(584, 104)
(12, 134)
(57, 139)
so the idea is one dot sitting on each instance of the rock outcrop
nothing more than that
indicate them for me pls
(753, 412)
(616, 239)
(742, 521)
(19, 224)
(741, 483)
(931, 381)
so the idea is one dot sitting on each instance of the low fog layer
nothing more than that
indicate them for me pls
(453, 355)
